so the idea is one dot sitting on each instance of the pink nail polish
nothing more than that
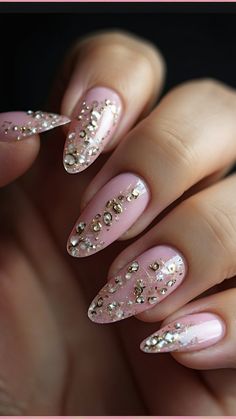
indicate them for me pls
(189, 333)
(110, 213)
(96, 119)
(141, 284)
(19, 125)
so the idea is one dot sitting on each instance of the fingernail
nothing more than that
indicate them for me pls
(141, 284)
(19, 125)
(110, 212)
(96, 119)
(189, 333)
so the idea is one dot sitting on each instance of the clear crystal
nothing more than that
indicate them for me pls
(69, 160)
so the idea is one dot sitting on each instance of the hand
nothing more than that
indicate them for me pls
(53, 359)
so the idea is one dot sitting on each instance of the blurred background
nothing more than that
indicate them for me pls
(33, 45)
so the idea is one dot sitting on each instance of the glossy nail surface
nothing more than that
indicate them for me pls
(111, 212)
(141, 284)
(16, 126)
(96, 119)
(189, 333)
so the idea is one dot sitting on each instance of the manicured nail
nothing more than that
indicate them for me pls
(19, 125)
(109, 214)
(141, 284)
(96, 119)
(189, 333)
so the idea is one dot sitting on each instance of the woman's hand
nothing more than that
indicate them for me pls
(166, 167)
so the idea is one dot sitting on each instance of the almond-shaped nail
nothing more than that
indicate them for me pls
(95, 121)
(111, 212)
(19, 125)
(189, 333)
(141, 284)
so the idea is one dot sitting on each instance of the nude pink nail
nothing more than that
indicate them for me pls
(141, 284)
(96, 118)
(111, 212)
(189, 333)
(19, 125)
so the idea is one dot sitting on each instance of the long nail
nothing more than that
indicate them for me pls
(189, 333)
(19, 125)
(96, 119)
(109, 214)
(141, 284)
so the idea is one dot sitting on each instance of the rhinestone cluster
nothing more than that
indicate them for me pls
(84, 143)
(168, 339)
(86, 237)
(142, 285)
(39, 122)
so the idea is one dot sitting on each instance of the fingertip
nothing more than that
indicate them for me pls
(16, 158)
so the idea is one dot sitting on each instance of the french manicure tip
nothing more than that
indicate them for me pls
(15, 126)
(189, 333)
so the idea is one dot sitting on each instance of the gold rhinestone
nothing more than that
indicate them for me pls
(96, 226)
(138, 290)
(135, 193)
(80, 227)
(117, 208)
(107, 218)
(109, 204)
(154, 266)
(133, 267)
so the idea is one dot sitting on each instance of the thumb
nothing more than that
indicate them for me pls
(19, 140)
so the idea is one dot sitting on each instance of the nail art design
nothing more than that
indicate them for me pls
(16, 126)
(146, 281)
(189, 333)
(108, 215)
(89, 132)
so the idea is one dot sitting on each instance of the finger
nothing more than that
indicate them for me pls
(201, 335)
(19, 140)
(189, 136)
(191, 250)
(115, 80)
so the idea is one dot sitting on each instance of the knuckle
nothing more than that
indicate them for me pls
(122, 45)
(177, 144)
(219, 226)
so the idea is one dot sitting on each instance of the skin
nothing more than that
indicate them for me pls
(53, 360)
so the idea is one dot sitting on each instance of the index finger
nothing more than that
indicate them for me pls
(115, 81)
